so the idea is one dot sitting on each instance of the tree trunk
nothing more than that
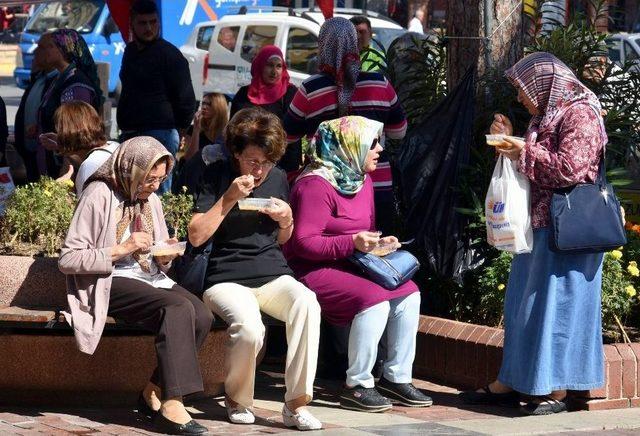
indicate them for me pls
(506, 44)
(463, 20)
(503, 46)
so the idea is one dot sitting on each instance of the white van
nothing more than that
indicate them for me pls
(236, 39)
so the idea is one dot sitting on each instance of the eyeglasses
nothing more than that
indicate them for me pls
(206, 103)
(257, 165)
(153, 180)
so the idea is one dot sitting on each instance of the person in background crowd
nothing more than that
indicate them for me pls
(270, 88)
(370, 58)
(26, 123)
(208, 123)
(247, 272)
(6, 17)
(552, 319)
(342, 89)
(227, 38)
(332, 202)
(4, 132)
(65, 51)
(157, 97)
(417, 22)
(81, 138)
(110, 272)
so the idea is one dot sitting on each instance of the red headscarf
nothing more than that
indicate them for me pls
(259, 91)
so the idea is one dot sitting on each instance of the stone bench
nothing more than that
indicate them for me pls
(39, 359)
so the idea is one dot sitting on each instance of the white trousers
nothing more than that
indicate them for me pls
(285, 299)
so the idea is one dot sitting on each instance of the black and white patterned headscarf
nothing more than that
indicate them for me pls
(339, 57)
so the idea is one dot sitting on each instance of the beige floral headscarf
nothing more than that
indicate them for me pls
(125, 171)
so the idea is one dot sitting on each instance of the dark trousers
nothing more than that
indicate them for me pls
(180, 322)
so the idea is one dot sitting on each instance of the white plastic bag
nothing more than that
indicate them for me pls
(6, 187)
(508, 209)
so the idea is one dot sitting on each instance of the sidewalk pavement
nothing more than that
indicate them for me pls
(446, 417)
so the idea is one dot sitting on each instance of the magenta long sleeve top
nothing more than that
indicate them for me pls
(325, 221)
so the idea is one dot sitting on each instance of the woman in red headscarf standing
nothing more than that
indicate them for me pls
(269, 88)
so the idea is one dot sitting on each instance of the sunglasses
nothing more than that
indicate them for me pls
(375, 143)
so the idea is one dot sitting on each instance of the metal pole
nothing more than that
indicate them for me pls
(487, 31)
(364, 7)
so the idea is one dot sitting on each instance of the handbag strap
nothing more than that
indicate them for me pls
(601, 180)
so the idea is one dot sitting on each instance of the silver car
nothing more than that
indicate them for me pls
(625, 47)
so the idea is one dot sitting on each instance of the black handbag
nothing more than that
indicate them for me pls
(389, 271)
(586, 218)
(191, 268)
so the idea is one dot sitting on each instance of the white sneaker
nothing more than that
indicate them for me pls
(239, 414)
(303, 420)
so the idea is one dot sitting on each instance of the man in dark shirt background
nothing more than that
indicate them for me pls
(157, 96)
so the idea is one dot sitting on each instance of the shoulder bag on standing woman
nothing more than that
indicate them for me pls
(586, 218)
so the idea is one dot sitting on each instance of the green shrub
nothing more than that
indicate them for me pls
(177, 209)
(38, 216)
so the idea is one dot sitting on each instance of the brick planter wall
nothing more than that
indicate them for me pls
(468, 356)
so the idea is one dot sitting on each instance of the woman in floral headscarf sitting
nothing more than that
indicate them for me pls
(553, 331)
(66, 51)
(340, 89)
(111, 273)
(332, 203)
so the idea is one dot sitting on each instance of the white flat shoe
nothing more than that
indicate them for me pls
(239, 414)
(303, 420)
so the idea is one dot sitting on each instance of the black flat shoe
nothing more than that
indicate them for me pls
(144, 409)
(403, 393)
(508, 399)
(545, 406)
(163, 425)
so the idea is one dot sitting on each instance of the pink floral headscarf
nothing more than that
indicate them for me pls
(552, 88)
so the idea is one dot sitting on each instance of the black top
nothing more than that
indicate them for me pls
(245, 247)
(204, 139)
(279, 108)
(156, 88)
(68, 78)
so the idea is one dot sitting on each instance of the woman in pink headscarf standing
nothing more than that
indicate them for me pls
(552, 318)
(269, 88)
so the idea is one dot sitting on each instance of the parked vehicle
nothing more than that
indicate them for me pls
(236, 39)
(196, 51)
(91, 18)
(624, 47)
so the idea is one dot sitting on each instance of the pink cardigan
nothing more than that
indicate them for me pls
(86, 260)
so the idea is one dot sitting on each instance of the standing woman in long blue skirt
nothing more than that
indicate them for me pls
(553, 332)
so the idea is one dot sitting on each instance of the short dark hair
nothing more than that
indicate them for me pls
(257, 127)
(360, 19)
(143, 7)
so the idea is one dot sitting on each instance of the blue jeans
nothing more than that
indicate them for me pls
(167, 137)
(400, 317)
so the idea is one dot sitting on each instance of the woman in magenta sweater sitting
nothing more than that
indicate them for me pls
(333, 209)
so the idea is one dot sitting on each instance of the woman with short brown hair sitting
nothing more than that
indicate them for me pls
(247, 272)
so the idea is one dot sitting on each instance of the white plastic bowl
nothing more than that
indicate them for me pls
(255, 203)
(164, 249)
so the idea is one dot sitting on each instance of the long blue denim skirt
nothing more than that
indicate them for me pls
(552, 318)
